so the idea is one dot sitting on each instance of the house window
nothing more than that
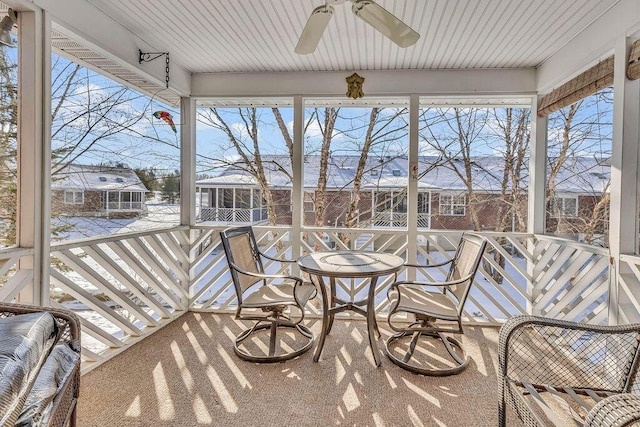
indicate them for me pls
(258, 200)
(226, 201)
(213, 197)
(72, 197)
(383, 202)
(424, 202)
(564, 206)
(391, 201)
(243, 199)
(400, 202)
(309, 205)
(453, 204)
(114, 197)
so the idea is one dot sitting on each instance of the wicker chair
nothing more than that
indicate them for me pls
(434, 301)
(561, 373)
(63, 409)
(265, 298)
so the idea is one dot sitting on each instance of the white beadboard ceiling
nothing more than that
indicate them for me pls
(260, 35)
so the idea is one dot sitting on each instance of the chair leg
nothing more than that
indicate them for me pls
(377, 329)
(412, 346)
(502, 414)
(272, 339)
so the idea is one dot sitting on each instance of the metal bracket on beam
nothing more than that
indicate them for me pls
(150, 56)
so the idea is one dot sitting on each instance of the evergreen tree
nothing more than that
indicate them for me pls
(171, 188)
(149, 178)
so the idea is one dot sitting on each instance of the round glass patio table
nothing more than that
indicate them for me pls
(347, 265)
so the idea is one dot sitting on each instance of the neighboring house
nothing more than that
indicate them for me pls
(234, 196)
(114, 192)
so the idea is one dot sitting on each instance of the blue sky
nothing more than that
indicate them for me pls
(149, 142)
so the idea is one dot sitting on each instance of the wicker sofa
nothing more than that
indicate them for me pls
(39, 366)
(562, 373)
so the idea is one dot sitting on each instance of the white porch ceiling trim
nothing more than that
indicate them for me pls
(377, 83)
(99, 33)
(76, 52)
(380, 102)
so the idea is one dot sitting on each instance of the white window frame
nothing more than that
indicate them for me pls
(393, 196)
(558, 207)
(74, 194)
(448, 207)
(307, 201)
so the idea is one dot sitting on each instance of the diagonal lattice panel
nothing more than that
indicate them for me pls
(571, 281)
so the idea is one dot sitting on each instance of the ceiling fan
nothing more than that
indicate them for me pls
(367, 10)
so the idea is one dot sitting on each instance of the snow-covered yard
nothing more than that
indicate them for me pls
(158, 215)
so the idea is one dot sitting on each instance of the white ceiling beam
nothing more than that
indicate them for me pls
(104, 35)
(377, 83)
(592, 45)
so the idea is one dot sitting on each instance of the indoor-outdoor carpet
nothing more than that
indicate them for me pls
(188, 375)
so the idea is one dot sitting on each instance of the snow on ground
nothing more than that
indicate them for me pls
(157, 216)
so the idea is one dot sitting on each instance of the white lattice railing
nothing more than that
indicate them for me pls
(233, 216)
(13, 279)
(520, 273)
(123, 287)
(628, 295)
(127, 286)
(570, 280)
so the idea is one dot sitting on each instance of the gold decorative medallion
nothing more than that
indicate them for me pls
(354, 86)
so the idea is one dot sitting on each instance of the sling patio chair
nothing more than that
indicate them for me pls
(266, 299)
(429, 302)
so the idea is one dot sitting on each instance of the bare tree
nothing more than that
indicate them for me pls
(243, 137)
(579, 151)
(8, 150)
(96, 121)
(327, 127)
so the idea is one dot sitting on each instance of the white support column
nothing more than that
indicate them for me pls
(297, 212)
(537, 190)
(46, 159)
(34, 165)
(412, 190)
(624, 181)
(188, 181)
(537, 172)
(187, 161)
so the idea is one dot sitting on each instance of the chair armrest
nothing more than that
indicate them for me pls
(436, 284)
(428, 265)
(567, 354)
(264, 275)
(615, 411)
(277, 259)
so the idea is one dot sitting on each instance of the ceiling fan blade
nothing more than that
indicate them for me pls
(385, 22)
(313, 30)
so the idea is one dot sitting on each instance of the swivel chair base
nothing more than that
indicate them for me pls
(272, 357)
(460, 361)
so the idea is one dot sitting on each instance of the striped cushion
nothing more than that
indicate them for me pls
(51, 378)
(25, 341)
